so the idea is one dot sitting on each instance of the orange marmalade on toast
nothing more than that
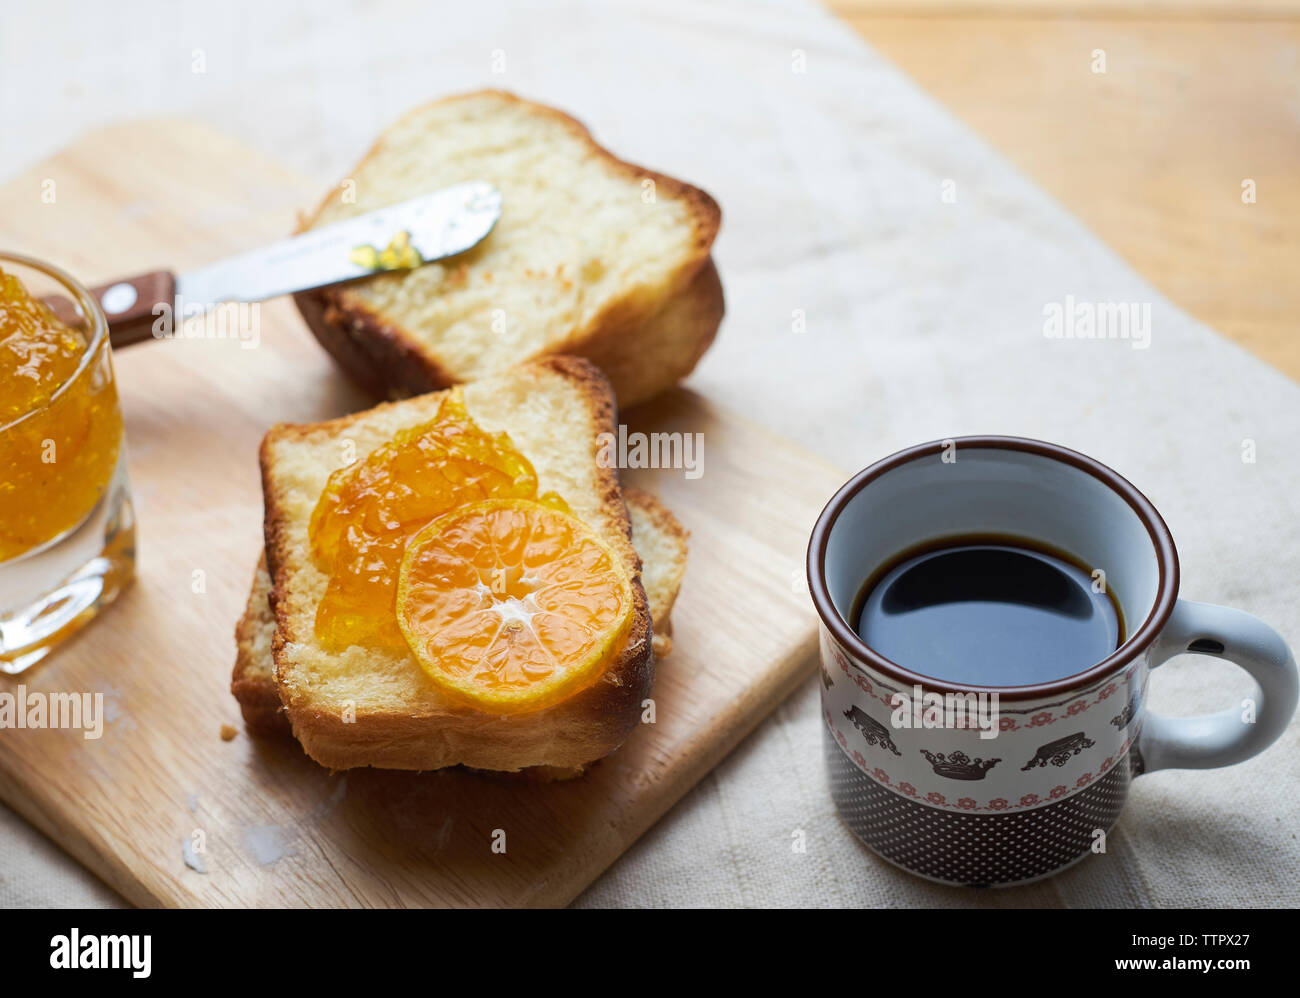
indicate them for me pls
(60, 425)
(370, 509)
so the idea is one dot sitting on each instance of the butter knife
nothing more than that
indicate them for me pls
(409, 234)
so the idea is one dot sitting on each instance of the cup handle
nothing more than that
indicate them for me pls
(1233, 735)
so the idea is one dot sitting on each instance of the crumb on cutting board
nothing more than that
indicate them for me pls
(228, 733)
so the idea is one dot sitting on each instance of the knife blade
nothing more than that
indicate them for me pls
(435, 226)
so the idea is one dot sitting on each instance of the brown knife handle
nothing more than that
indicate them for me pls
(129, 304)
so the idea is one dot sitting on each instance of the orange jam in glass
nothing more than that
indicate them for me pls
(60, 425)
(370, 509)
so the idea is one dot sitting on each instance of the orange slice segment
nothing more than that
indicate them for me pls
(371, 508)
(511, 605)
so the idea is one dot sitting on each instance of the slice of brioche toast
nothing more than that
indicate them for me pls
(592, 256)
(658, 537)
(660, 540)
(377, 707)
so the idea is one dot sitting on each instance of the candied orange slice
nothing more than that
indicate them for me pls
(511, 605)
(370, 509)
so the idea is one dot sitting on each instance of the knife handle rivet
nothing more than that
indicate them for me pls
(118, 298)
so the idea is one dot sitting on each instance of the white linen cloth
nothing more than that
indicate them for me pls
(923, 316)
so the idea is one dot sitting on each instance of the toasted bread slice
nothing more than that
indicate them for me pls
(592, 256)
(376, 707)
(253, 680)
(657, 536)
(660, 540)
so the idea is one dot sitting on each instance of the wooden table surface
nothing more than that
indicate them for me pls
(1197, 97)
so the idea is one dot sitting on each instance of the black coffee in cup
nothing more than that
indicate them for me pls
(988, 611)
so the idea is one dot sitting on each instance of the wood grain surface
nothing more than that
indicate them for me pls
(275, 828)
(1197, 96)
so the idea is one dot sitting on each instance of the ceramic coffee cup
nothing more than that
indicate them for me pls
(1039, 785)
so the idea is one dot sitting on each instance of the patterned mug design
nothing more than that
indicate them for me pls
(958, 765)
(1058, 752)
(873, 732)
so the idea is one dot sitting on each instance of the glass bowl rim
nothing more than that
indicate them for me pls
(89, 307)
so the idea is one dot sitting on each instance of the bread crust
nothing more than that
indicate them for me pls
(254, 687)
(573, 733)
(642, 361)
(644, 350)
(379, 357)
(667, 524)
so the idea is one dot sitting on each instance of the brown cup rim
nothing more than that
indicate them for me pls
(1162, 540)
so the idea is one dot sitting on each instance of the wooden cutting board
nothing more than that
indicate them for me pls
(276, 828)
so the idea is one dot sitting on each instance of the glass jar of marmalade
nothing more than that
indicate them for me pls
(67, 527)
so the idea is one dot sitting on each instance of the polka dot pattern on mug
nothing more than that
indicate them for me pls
(974, 849)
